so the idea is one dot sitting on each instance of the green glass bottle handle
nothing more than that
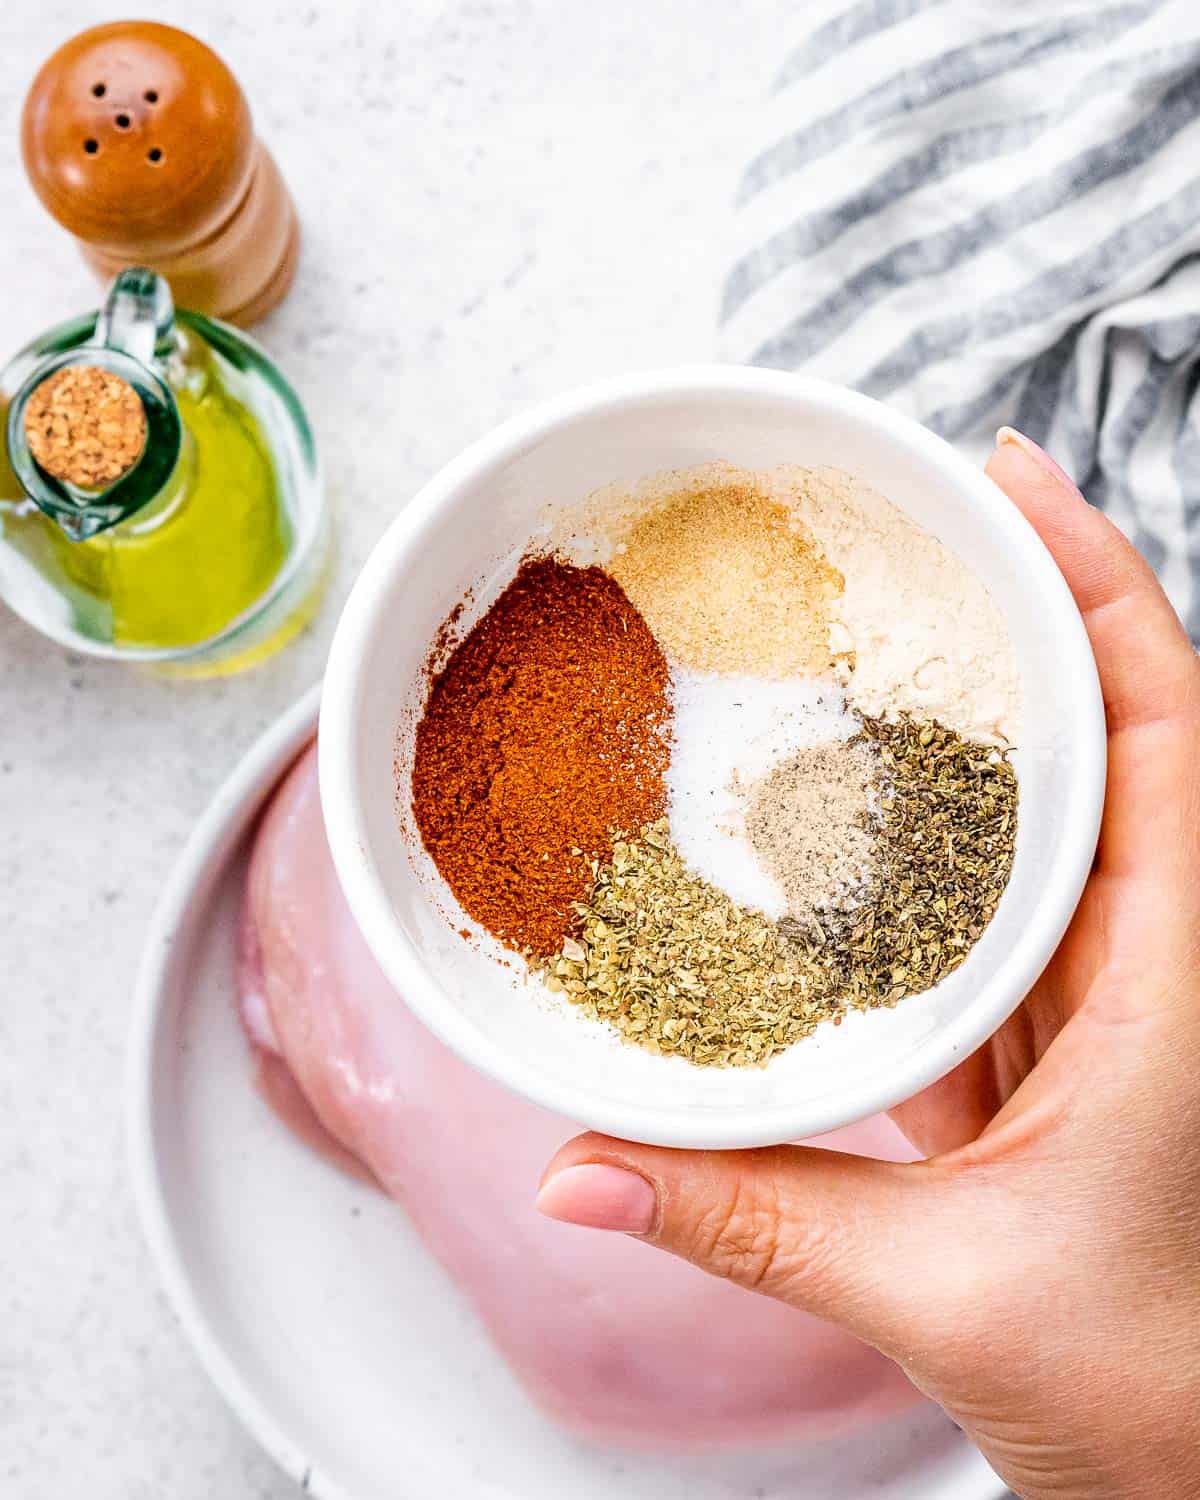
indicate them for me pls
(133, 331)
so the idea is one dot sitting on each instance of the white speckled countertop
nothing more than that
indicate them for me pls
(500, 198)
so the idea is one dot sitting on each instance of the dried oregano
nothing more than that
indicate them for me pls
(678, 967)
(944, 852)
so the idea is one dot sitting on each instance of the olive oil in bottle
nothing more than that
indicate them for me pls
(161, 501)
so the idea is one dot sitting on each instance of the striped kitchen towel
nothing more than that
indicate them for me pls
(986, 212)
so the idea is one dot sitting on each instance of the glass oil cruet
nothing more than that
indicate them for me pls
(203, 545)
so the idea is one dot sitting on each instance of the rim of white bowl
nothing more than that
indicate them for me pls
(676, 1126)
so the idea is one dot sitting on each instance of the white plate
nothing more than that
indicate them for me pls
(314, 1308)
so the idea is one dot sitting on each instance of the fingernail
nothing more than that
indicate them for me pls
(599, 1196)
(1033, 451)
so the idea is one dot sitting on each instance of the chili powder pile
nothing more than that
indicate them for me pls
(547, 729)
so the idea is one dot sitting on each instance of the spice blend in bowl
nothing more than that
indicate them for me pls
(938, 607)
(648, 770)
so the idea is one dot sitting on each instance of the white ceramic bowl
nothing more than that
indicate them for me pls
(465, 529)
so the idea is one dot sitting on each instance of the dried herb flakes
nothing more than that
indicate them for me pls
(678, 967)
(948, 810)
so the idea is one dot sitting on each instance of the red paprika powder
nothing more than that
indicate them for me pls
(547, 729)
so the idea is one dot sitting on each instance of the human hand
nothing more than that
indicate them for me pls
(1039, 1275)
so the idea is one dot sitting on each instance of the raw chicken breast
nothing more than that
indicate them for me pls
(614, 1339)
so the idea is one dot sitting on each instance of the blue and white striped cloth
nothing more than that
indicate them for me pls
(988, 211)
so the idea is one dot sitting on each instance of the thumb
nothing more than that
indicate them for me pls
(859, 1242)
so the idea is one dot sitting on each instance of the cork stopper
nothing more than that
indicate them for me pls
(85, 426)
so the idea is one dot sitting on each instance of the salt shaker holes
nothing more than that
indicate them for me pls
(127, 85)
(91, 146)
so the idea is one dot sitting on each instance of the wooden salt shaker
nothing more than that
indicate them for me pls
(138, 140)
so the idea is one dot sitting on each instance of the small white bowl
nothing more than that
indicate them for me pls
(463, 530)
